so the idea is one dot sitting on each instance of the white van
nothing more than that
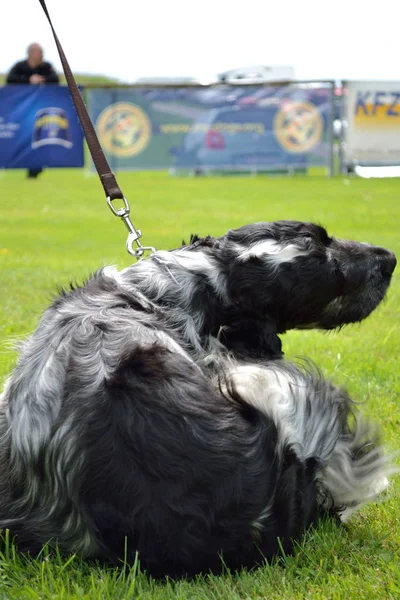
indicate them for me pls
(257, 74)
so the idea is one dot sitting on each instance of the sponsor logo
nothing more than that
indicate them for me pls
(51, 127)
(377, 109)
(298, 126)
(124, 129)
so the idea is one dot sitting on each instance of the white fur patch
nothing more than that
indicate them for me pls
(182, 264)
(193, 261)
(112, 272)
(269, 391)
(276, 253)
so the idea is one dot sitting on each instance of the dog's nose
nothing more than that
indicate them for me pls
(388, 263)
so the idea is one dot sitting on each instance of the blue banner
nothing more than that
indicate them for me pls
(39, 128)
(221, 127)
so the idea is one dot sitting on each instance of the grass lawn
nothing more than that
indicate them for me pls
(58, 229)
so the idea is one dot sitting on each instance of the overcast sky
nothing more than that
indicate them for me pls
(127, 39)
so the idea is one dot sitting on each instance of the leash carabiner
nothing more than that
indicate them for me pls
(134, 234)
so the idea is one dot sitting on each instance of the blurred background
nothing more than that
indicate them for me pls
(214, 88)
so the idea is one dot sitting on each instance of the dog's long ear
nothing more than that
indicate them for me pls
(251, 338)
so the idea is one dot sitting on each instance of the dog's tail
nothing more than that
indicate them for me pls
(358, 470)
(321, 423)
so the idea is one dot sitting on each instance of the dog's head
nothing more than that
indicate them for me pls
(299, 276)
(287, 274)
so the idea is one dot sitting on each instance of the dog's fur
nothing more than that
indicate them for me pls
(146, 414)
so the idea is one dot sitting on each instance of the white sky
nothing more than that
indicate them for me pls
(353, 39)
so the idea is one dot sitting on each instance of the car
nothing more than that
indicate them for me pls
(238, 138)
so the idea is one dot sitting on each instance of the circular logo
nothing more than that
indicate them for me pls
(124, 129)
(298, 126)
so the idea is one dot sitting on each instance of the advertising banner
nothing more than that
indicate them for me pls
(39, 128)
(372, 123)
(221, 127)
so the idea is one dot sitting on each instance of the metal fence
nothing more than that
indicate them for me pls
(218, 128)
(282, 127)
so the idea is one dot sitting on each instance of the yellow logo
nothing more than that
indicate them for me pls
(124, 129)
(298, 126)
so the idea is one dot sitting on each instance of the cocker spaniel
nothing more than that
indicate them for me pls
(151, 411)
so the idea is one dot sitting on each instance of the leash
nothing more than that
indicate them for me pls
(107, 177)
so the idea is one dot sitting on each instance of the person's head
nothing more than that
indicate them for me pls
(35, 54)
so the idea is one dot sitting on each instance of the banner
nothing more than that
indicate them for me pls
(372, 118)
(39, 128)
(221, 127)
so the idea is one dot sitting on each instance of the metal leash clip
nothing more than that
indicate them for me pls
(134, 234)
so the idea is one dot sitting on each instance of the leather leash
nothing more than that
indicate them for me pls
(107, 177)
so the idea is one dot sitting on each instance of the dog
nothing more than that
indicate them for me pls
(151, 413)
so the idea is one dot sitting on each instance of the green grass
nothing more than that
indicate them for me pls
(58, 228)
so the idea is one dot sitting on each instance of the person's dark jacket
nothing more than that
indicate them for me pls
(21, 72)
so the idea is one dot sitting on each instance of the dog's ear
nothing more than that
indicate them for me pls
(251, 339)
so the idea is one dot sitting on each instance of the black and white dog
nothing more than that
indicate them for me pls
(151, 412)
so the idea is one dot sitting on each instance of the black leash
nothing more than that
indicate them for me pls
(107, 177)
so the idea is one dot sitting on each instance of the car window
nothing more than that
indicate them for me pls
(244, 116)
